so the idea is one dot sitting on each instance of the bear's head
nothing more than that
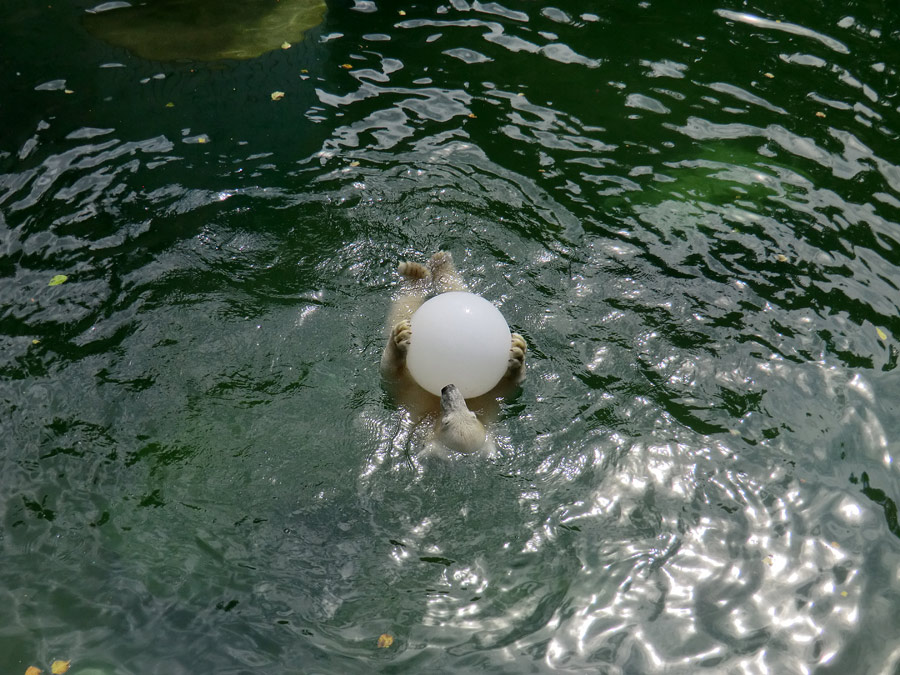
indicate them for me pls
(459, 429)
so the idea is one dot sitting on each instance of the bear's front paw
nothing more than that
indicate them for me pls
(400, 336)
(517, 349)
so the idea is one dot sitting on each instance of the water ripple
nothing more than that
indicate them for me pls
(784, 26)
(76, 160)
(696, 232)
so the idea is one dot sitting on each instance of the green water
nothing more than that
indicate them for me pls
(691, 212)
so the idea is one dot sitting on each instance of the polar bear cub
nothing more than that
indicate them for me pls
(457, 427)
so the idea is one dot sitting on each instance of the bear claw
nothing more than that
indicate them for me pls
(517, 349)
(401, 335)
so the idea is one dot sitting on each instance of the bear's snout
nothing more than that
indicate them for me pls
(452, 398)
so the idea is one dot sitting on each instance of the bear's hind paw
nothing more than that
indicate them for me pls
(413, 270)
(441, 263)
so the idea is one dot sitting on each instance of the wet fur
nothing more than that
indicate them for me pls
(457, 426)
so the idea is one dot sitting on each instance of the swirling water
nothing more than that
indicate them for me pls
(690, 212)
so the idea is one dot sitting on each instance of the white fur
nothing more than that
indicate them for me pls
(457, 428)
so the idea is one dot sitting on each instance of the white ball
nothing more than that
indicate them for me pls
(458, 338)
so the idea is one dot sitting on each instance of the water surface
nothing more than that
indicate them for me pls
(691, 214)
